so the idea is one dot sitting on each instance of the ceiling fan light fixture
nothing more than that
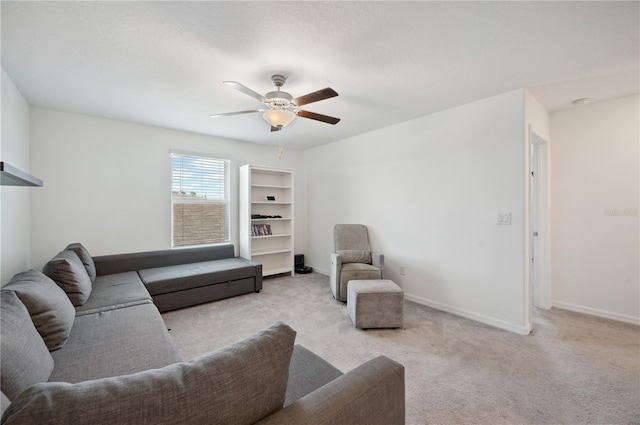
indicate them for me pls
(278, 117)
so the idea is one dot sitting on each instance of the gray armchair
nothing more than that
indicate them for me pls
(352, 259)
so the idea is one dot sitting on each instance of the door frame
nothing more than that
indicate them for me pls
(539, 221)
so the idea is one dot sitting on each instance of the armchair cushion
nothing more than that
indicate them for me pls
(356, 271)
(355, 256)
(351, 236)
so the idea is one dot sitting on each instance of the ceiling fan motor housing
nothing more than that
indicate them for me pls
(279, 99)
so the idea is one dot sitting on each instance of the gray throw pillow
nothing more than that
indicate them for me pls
(24, 359)
(86, 259)
(239, 384)
(49, 307)
(67, 271)
(355, 256)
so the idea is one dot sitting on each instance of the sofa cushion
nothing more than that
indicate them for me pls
(115, 291)
(355, 256)
(4, 403)
(114, 342)
(24, 358)
(67, 271)
(307, 373)
(161, 280)
(237, 385)
(85, 257)
(49, 307)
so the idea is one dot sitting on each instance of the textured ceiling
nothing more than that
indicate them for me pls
(163, 63)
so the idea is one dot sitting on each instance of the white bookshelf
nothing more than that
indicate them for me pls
(274, 250)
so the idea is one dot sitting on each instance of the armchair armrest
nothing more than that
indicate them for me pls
(377, 260)
(334, 272)
(372, 394)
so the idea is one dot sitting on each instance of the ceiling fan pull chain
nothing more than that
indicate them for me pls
(281, 150)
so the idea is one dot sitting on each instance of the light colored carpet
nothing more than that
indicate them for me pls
(573, 369)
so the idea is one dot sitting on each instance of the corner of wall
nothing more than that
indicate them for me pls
(15, 207)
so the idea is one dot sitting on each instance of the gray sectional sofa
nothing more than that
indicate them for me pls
(85, 344)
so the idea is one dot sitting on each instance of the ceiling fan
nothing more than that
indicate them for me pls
(281, 107)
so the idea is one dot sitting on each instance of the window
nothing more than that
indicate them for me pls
(199, 200)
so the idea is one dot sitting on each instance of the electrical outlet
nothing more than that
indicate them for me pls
(403, 270)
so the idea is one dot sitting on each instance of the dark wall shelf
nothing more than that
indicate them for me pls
(11, 176)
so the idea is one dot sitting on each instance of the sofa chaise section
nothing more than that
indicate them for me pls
(183, 285)
(177, 278)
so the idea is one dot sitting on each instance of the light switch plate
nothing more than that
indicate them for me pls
(503, 218)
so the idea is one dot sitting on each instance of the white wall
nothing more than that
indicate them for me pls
(15, 201)
(108, 182)
(536, 116)
(594, 209)
(429, 191)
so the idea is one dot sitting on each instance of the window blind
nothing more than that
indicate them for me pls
(200, 200)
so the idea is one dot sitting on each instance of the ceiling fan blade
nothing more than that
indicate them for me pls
(246, 90)
(228, 114)
(318, 117)
(276, 128)
(316, 96)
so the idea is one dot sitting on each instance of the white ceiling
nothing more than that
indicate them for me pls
(163, 63)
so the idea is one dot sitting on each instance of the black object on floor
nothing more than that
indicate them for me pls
(299, 264)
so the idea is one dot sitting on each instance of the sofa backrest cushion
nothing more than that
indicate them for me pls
(239, 384)
(49, 307)
(85, 257)
(120, 263)
(24, 358)
(69, 273)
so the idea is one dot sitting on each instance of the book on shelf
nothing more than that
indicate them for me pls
(261, 230)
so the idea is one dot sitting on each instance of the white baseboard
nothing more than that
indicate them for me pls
(596, 312)
(522, 330)
(321, 271)
(491, 321)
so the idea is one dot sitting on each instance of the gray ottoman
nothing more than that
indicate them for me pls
(375, 304)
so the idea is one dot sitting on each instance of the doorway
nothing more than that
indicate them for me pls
(539, 270)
